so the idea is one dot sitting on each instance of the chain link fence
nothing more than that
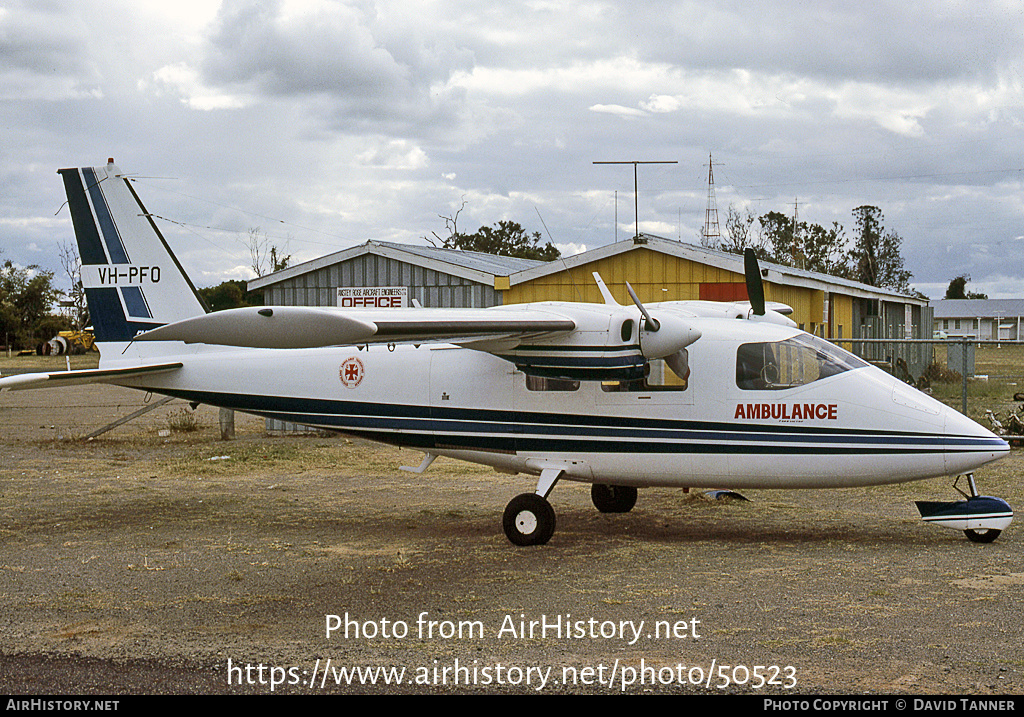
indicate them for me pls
(983, 379)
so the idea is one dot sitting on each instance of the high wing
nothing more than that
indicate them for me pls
(288, 327)
(83, 376)
(755, 309)
(773, 313)
(553, 339)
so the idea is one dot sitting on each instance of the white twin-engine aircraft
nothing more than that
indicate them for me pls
(691, 394)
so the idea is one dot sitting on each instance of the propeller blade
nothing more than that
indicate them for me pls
(755, 288)
(651, 324)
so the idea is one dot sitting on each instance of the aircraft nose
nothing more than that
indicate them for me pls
(969, 445)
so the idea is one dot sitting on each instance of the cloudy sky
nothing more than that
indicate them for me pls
(325, 123)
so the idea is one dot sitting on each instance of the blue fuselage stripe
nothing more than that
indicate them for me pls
(423, 426)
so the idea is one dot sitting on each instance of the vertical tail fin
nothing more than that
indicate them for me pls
(132, 280)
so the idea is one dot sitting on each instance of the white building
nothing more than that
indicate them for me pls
(995, 319)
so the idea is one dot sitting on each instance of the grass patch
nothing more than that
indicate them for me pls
(183, 420)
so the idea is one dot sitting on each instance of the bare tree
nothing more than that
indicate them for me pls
(265, 257)
(72, 264)
(451, 224)
(737, 230)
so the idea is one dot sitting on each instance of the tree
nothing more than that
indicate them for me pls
(824, 250)
(737, 230)
(876, 258)
(72, 265)
(26, 297)
(957, 289)
(777, 238)
(230, 295)
(451, 223)
(265, 257)
(506, 238)
(806, 246)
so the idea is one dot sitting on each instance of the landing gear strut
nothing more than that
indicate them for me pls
(981, 517)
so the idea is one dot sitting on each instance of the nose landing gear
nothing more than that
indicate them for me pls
(981, 517)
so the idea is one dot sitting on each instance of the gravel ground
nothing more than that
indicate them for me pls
(137, 563)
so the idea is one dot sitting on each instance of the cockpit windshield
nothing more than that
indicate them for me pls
(798, 361)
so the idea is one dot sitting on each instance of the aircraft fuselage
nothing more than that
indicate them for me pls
(857, 427)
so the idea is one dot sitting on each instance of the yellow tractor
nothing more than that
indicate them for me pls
(68, 343)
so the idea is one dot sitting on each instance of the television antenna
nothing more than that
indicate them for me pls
(636, 192)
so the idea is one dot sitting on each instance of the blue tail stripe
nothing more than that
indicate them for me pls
(90, 247)
(112, 238)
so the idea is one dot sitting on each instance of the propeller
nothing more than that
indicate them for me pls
(677, 335)
(651, 323)
(755, 289)
(759, 310)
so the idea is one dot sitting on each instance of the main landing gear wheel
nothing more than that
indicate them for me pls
(982, 536)
(613, 498)
(529, 519)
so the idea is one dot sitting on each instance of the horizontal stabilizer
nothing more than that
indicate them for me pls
(83, 376)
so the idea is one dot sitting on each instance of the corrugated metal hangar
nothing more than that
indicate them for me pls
(434, 277)
(658, 269)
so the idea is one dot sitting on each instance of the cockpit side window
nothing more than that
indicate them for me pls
(778, 365)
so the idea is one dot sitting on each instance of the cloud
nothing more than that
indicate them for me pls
(393, 154)
(341, 120)
(44, 55)
(662, 103)
(571, 248)
(185, 82)
(618, 110)
(358, 68)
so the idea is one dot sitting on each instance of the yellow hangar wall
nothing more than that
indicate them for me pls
(656, 276)
(647, 272)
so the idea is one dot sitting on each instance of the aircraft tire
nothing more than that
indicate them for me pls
(529, 519)
(982, 536)
(613, 498)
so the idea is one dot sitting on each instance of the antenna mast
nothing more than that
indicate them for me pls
(711, 234)
(636, 191)
(796, 231)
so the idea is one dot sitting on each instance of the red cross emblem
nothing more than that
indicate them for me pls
(351, 373)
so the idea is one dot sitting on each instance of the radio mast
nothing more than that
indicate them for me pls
(711, 234)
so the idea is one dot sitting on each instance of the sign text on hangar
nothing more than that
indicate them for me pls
(373, 297)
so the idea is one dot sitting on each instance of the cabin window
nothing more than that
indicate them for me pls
(671, 374)
(542, 383)
(778, 365)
